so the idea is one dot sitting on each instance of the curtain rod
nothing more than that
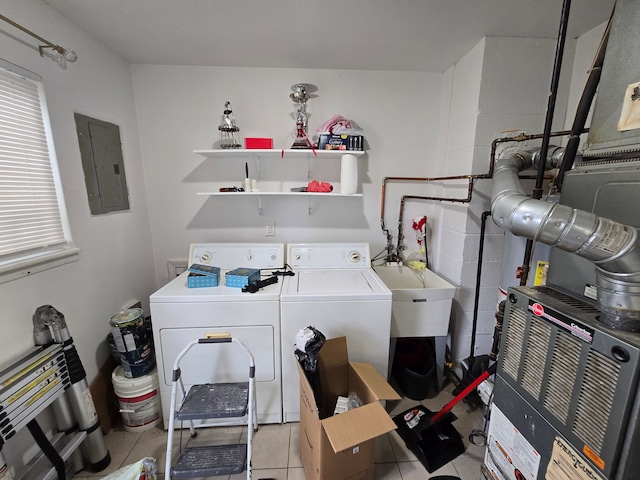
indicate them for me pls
(66, 53)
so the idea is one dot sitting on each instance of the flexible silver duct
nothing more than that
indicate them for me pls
(613, 247)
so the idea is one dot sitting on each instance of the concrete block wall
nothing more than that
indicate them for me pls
(501, 84)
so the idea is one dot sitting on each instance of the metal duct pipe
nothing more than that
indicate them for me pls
(613, 247)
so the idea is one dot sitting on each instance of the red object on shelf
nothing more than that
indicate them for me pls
(320, 187)
(261, 143)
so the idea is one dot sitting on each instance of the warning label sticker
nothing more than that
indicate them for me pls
(566, 464)
(509, 455)
(615, 237)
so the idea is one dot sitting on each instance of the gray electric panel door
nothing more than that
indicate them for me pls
(101, 152)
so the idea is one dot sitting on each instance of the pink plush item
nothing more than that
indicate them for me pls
(335, 124)
(316, 186)
(338, 125)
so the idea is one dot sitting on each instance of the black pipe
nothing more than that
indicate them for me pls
(555, 79)
(476, 301)
(526, 260)
(584, 105)
(497, 332)
(472, 371)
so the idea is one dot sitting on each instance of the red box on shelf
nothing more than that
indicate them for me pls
(255, 143)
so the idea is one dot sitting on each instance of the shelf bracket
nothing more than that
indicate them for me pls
(259, 203)
(256, 164)
(312, 206)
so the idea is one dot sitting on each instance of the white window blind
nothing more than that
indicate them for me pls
(33, 229)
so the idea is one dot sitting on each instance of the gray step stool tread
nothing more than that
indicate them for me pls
(210, 461)
(215, 400)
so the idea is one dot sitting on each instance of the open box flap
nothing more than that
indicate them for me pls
(333, 366)
(376, 384)
(333, 352)
(348, 429)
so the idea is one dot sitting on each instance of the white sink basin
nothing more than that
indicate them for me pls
(421, 303)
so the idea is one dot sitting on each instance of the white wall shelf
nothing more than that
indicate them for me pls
(243, 153)
(312, 196)
(274, 154)
(281, 194)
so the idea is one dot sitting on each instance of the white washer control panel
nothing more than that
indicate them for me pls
(328, 255)
(233, 255)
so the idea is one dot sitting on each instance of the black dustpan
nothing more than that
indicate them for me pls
(434, 445)
(431, 437)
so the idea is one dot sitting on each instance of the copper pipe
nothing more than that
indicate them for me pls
(400, 247)
(518, 138)
(521, 137)
(417, 179)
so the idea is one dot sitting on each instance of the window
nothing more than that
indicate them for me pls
(34, 231)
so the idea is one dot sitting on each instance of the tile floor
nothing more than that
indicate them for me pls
(276, 451)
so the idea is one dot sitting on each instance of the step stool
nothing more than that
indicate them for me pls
(212, 401)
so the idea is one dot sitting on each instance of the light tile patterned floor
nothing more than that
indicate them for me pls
(276, 451)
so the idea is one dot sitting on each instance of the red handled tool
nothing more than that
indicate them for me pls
(481, 378)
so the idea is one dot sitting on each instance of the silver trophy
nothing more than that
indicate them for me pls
(301, 94)
(228, 129)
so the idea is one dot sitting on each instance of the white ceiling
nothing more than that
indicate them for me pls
(414, 35)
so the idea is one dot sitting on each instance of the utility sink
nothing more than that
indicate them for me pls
(420, 307)
(421, 302)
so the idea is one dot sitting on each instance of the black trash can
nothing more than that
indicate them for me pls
(414, 367)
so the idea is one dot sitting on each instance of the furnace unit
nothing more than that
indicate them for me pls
(565, 377)
(567, 394)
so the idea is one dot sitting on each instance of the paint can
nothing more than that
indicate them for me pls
(138, 400)
(113, 349)
(134, 341)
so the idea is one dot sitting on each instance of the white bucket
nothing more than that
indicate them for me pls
(138, 399)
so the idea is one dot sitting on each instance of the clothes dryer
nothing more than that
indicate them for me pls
(335, 290)
(181, 314)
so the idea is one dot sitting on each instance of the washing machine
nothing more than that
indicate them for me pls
(335, 290)
(181, 314)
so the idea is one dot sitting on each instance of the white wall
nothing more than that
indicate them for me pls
(179, 110)
(501, 84)
(586, 48)
(115, 263)
(509, 81)
(416, 124)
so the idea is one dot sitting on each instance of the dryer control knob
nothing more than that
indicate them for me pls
(354, 256)
(205, 257)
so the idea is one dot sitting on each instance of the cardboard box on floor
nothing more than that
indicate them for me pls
(342, 446)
